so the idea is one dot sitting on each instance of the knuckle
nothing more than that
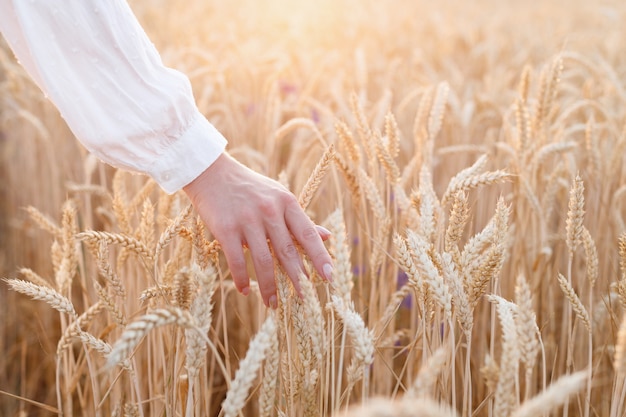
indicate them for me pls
(267, 287)
(265, 260)
(225, 229)
(289, 251)
(238, 267)
(309, 233)
(269, 208)
(288, 199)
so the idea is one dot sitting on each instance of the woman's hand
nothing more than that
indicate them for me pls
(244, 208)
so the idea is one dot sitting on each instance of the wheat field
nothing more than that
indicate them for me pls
(468, 158)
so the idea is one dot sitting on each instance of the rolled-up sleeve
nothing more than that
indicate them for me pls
(94, 61)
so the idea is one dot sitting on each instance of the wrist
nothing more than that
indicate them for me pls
(209, 176)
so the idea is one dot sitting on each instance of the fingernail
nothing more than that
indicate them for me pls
(273, 301)
(328, 272)
(245, 291)
(323, 231)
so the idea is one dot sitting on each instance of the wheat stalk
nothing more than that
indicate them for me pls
(619, 362)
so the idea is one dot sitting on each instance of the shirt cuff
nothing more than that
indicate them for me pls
(189, 156)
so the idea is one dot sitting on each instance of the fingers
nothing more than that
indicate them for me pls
(233, 251)
(263, 262)
(309, 237)
(287, 253)
(323, 232)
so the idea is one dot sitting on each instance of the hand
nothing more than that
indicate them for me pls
(244, 208)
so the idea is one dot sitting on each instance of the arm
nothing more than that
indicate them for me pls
(96, 64)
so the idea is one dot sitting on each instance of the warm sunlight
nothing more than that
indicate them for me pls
(463, 163)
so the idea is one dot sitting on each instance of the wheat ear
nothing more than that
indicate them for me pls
(577, 304)
(126, 241)
(340, 249)
(172, 230)
(505, 398)
(526, 324)
(34, 277)
(44, 222)
(47, 294)
(428, 373)
(136, 330)
(404, 407)
(575, 215)
(363, 344)
(248, 368)
(554, 396)
(267, 396)
(420, 250)
(315, 179)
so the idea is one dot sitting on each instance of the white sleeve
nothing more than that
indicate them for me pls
(96, 64)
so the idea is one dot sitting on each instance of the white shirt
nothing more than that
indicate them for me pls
(96, 64)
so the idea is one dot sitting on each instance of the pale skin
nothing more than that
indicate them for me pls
(243, 208)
